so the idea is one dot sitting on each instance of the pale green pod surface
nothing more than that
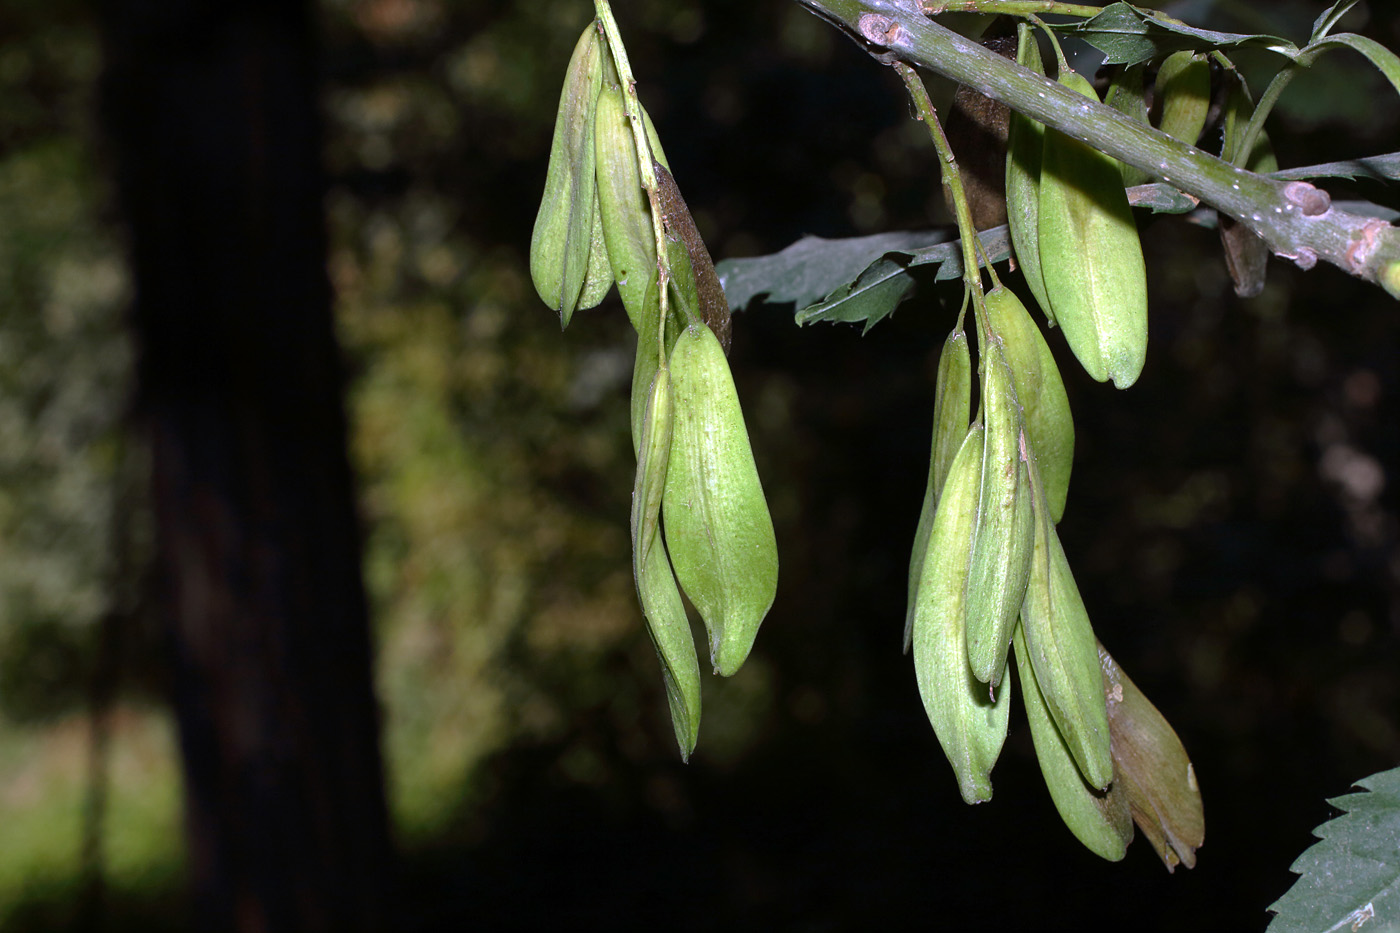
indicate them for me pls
(599, 278)
(1154, 770)
(969, 724)
(657, 152)
(717, 525)
(654, 453)
(1060, 644)
(685, 292)
(623, 205)
(952, 406)
(1090, 255)
(927, 510)
(644, 366)
(1128, 95)
(563, 236)
(648, 358)
(1003, 536)
(1041, 392)
(651, 567)
(670, 636)
(1024, 144)
(1099, 819)
(1183, 90)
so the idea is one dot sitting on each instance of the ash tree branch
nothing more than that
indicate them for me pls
(1295, 219)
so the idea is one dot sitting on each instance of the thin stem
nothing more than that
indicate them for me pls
(1262, 110)
(952, 177)
(644, 157)
(1009, 7)
(987, 261)
(1061, 64)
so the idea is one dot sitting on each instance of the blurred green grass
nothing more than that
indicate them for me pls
(45, 798)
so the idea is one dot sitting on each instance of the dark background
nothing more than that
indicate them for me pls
(1232, 519)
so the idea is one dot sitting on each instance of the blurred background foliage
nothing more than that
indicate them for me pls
(1232, 522)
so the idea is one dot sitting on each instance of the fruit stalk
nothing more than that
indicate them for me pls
(645, 158)
(952, 178)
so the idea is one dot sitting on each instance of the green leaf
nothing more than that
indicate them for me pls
(885, 283)
(875, 294)
(813, 267)
(1380, 168)
(1329, 18)
(1380, 56)
(863, 279)
(1352, 875)
(1128, 35)
(1368, 209)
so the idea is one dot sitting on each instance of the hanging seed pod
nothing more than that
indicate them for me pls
(675, 649)
(1040, 391)
(1127, 94)
(1183, 96)
(717, 525)
(1090, 255)
(599, 278)
(1153, 769)
(667, 625)
(623, 204)
(952, 406)
(562, 241)
(1099, 819)
(969, 724)
(653, 455)
(651, 567)
(1060, 645)
(1239, 108)
(1025, 143)
(649, 355)
(1003, 535)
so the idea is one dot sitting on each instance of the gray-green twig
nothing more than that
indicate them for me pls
(1294, 219)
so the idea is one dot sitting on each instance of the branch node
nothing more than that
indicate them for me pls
(1313, 201)
(876, 28)
(1305, 258)
(1360, 249)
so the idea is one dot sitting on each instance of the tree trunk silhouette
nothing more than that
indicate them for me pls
(211, 111)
